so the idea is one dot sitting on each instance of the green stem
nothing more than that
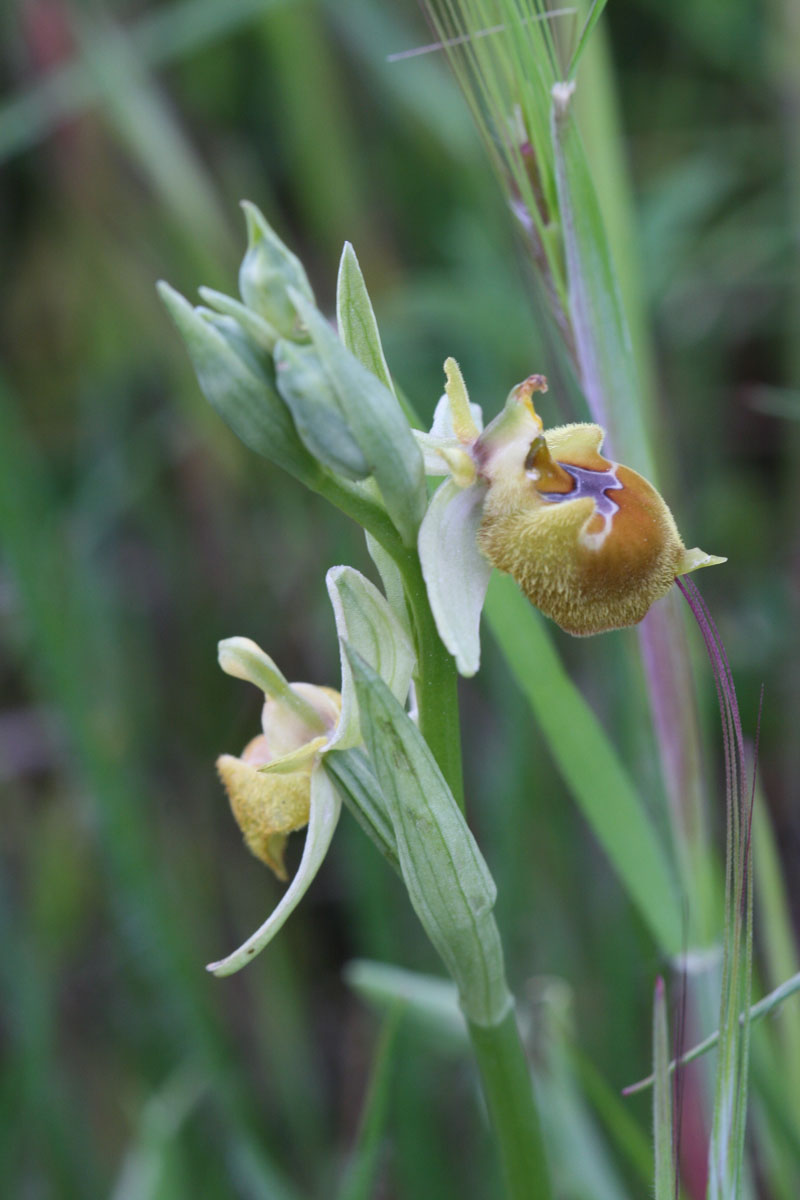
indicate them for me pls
(506, 1079)
(437, 684)
(499, 1053)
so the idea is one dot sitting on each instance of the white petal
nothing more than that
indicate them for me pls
(324, 814)
(455, 571)
(442, 426)
(366, 622)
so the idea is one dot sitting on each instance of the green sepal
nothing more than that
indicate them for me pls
(268, 270)
(316, 411)
(241, 390)
(448, 882)
(376, 421)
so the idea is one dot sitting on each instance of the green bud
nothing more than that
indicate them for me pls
(236, 337)
(377, 422)
(268, 270)
(240, 389)
(260, 332)
(315, 407)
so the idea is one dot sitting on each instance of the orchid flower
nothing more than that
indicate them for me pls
(590, 542)
(279, 784)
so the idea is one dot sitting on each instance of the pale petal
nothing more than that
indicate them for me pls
(431, 447)
(244, 659)
(455, 571)
(295, 760)
(322, 820)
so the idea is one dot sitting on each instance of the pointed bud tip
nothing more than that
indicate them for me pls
(173, 299)
(255, 222)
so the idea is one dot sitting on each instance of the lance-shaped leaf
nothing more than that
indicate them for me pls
(355, 318)
(377, 423)
(323, 817)
(269, 269)
(366, 623)
(448, 882)
(456, 573)
(315, 407)
(588, 762)
(243, 395)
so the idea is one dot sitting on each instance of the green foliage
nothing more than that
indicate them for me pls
(588, 762)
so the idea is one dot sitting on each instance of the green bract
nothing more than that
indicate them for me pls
(355, 317)
(448, 881)
(317, 412)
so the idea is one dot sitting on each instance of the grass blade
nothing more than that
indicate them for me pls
(360, 1177)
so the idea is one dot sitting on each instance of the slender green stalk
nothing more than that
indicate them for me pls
(507, 1086)
(437, 684)
(500, 1055)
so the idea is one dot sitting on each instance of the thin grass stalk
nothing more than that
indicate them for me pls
(665, 1180)
(726, 1149)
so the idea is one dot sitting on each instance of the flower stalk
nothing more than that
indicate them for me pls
(325, 408)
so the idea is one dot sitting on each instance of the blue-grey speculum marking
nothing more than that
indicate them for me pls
(595, 485)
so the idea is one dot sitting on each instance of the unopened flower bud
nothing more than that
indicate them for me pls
(268, 270)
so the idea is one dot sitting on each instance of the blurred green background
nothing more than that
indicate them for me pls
(135, 532)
